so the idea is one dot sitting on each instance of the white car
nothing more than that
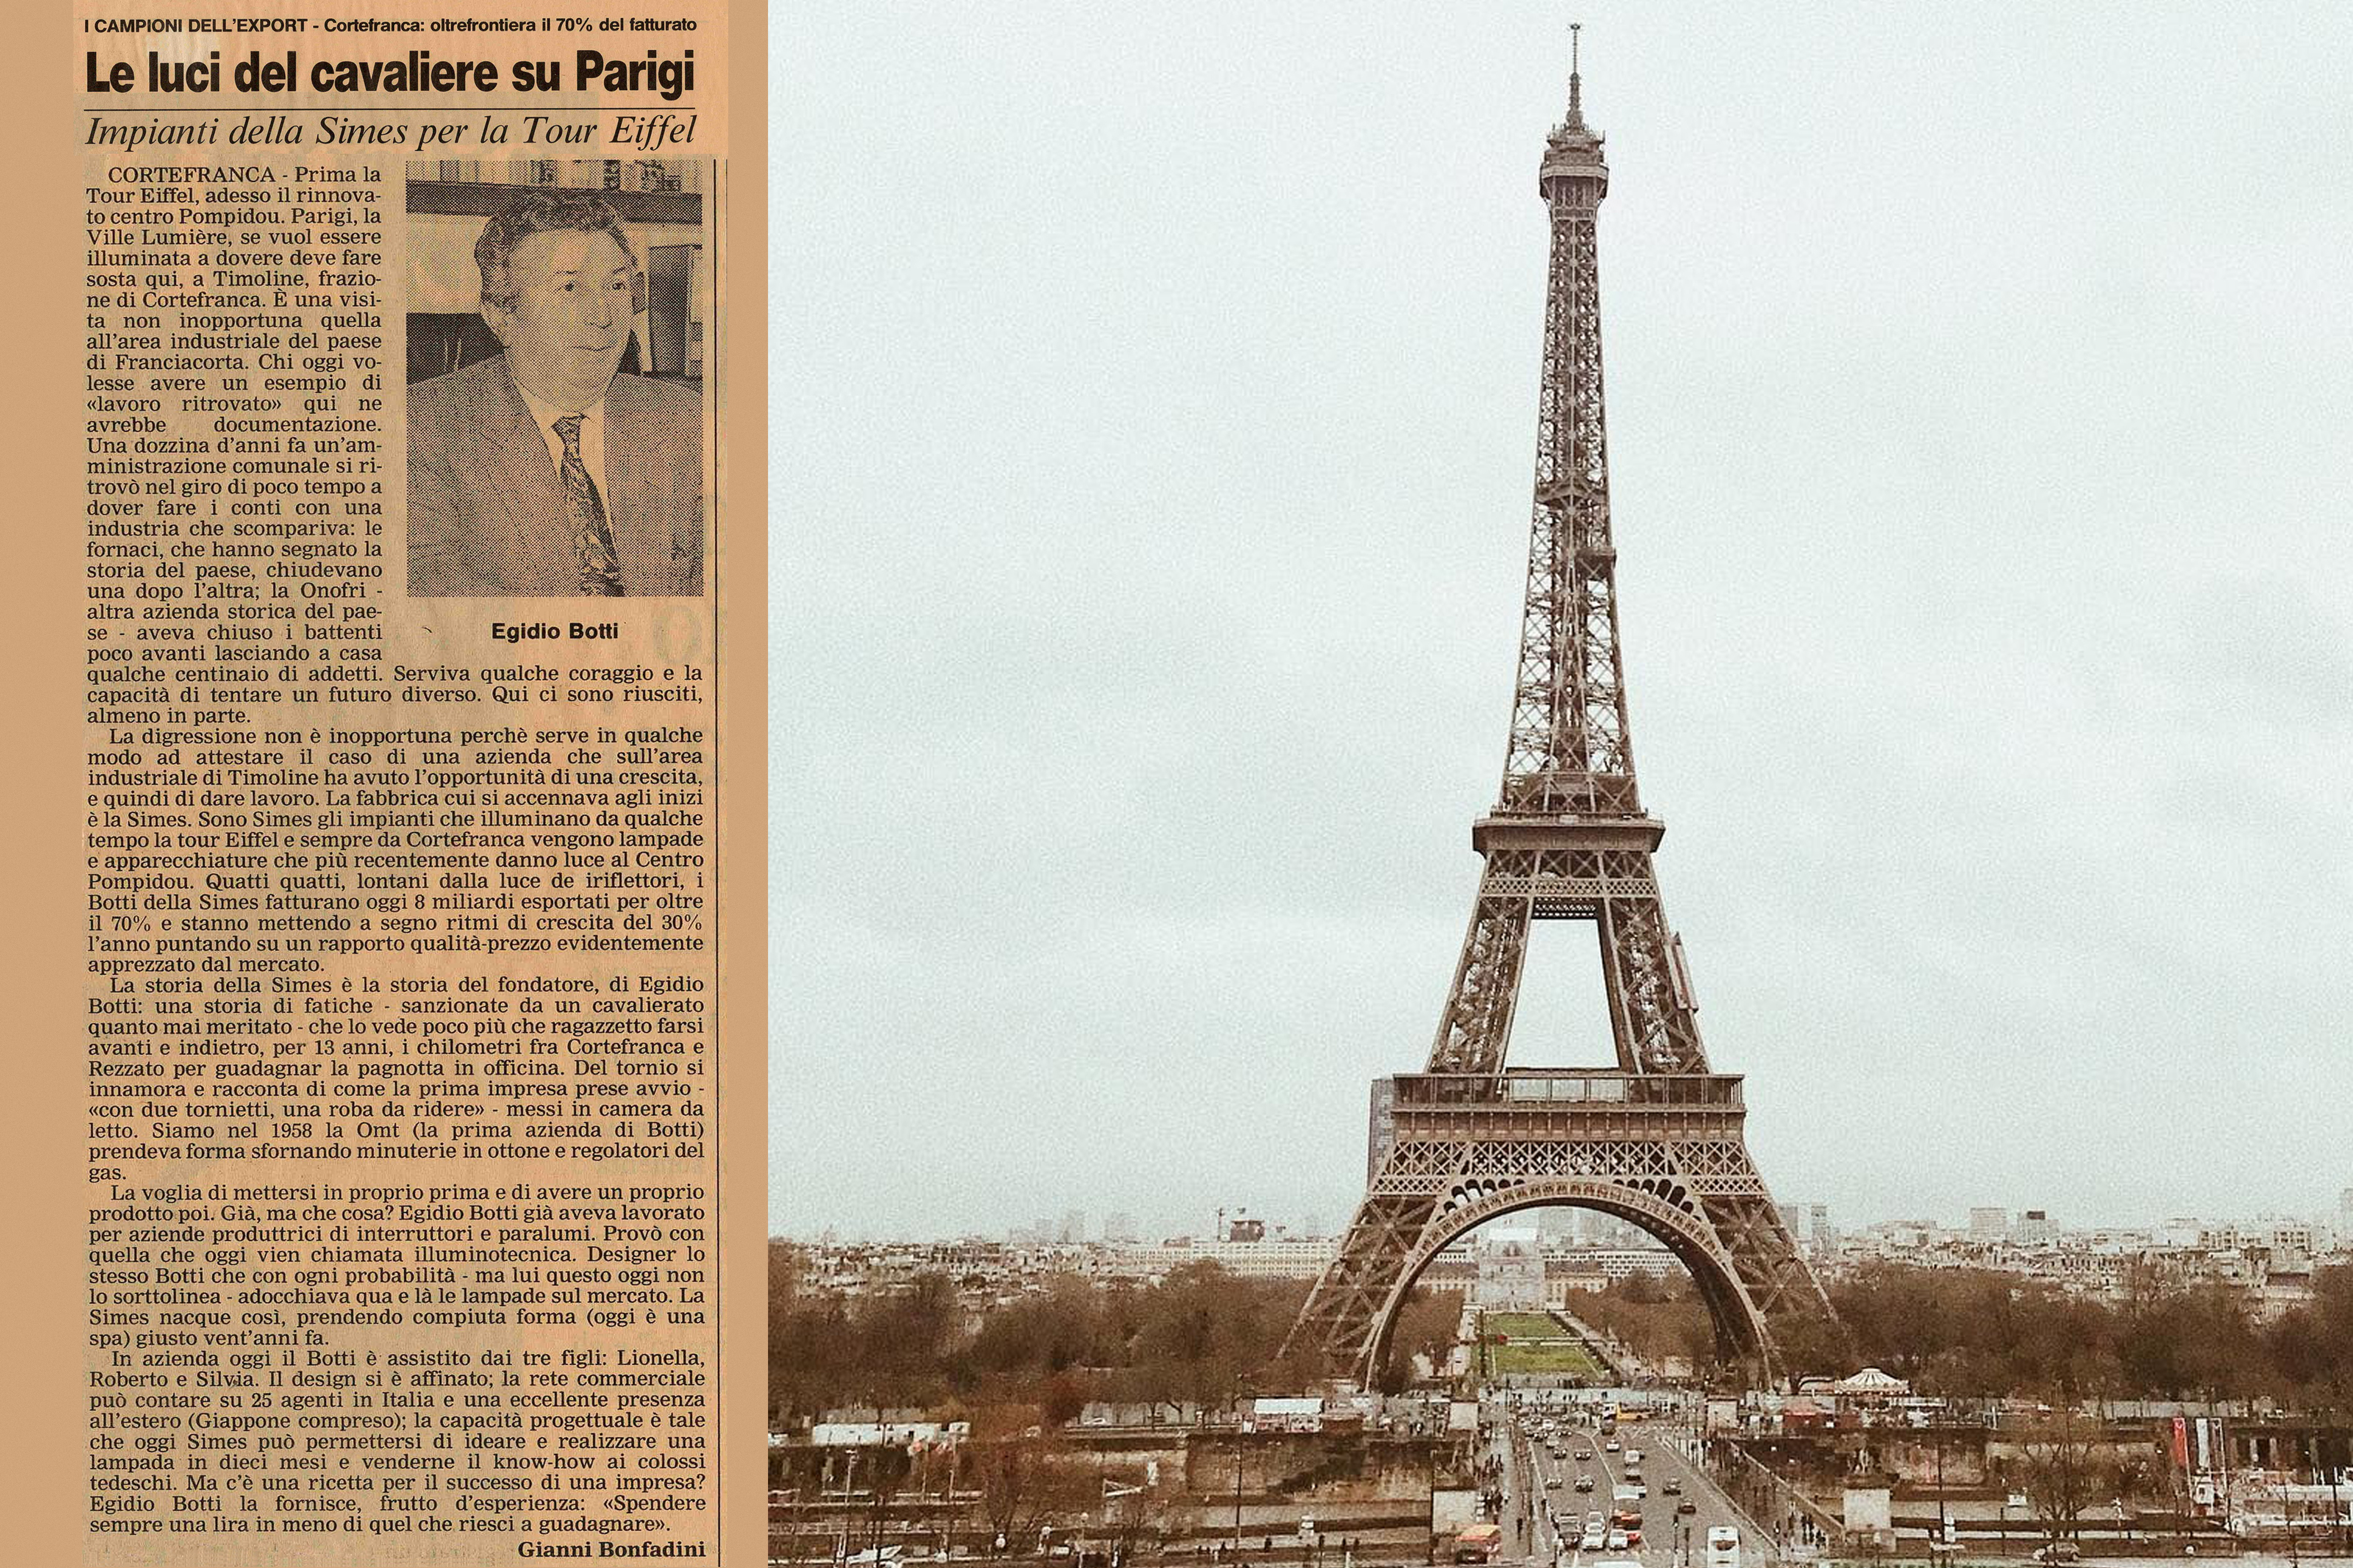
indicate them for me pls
(1614, 1541)
(1594, 1537)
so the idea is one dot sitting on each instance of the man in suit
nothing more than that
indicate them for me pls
(539, 473)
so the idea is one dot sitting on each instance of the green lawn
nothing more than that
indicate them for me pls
(1537, 1344)
(1563, 1359)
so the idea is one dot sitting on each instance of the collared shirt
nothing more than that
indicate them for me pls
(592, 440)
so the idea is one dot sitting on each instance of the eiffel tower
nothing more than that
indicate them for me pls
(1656, 1140)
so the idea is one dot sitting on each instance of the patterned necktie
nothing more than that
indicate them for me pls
(592, 536)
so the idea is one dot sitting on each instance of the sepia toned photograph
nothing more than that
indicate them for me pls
(557, 319)
(1256, 1079)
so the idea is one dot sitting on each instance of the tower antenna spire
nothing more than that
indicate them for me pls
(1576, 83)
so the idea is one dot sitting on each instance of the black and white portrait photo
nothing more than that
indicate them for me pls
(556, 420)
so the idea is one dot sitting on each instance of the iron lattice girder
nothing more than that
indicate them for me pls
(1681, 1171)
(1570, 699)
(1569, 839)
(1597, 869)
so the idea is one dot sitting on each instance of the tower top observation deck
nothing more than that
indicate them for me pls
(1573, 152)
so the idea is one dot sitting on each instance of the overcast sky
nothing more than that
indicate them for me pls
(1153, 406)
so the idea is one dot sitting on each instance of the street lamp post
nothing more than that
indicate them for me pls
(1240, 1385)
(1236, 1548)
(2337, 1513)
(848, 1480)
(1238, 1492)
(1943, 1525)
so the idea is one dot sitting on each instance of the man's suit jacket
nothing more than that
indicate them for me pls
(486, 515)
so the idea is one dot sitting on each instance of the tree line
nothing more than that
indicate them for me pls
(1203, 1336)
(1970, 1332)
(1200, 1336)
(1974, 1331)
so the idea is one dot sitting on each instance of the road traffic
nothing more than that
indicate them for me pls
(1577, 1496)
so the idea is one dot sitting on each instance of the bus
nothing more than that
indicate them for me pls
(1479, 1543)
(1723, 1547)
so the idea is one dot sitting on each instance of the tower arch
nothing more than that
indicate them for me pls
(1669, 1214)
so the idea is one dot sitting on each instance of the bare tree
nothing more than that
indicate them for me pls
(1141, 1521)
(1027, 1481)
(2062, 1472)
(2136, 1472)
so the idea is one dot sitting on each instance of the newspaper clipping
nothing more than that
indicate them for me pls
(406, 531)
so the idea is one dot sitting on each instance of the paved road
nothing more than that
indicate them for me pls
(1544, 1514)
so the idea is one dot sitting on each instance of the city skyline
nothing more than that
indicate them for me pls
(1140, 1230)
(1976, 497)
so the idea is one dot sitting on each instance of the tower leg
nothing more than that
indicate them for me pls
(1477, 1022)
(1765, 1254)
(1343, 1315)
